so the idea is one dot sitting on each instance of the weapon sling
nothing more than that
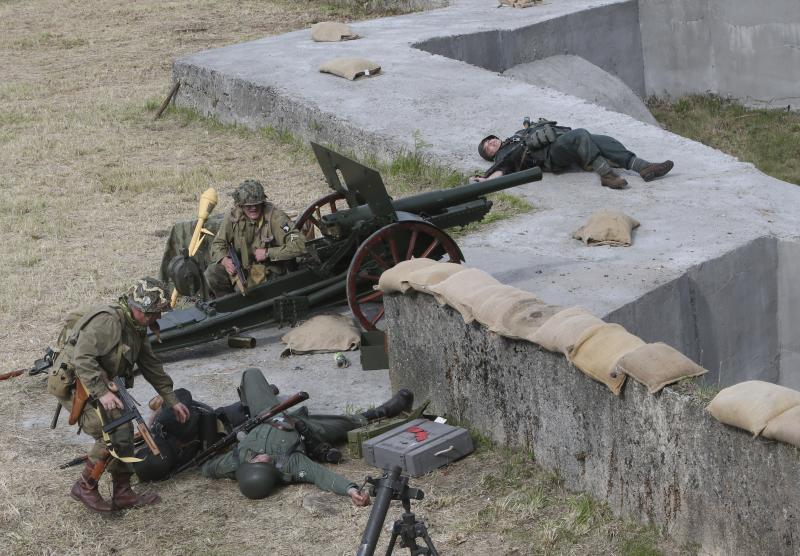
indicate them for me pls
(245, 427)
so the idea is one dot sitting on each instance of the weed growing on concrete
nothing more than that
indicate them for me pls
(767, 138)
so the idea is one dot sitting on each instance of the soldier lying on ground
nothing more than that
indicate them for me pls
(263, 236)
(555, 149)
(106, 342)
(272, 453)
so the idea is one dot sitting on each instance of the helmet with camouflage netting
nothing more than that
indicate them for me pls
(249, 192)
(149, 296)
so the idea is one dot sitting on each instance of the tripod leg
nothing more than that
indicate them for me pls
(392, 540)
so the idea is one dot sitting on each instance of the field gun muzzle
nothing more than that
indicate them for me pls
(431, 203)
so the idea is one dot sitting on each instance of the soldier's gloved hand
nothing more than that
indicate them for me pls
(358, 497)
(181, 412)
(261, 255)
(228, 264)
(110, 401)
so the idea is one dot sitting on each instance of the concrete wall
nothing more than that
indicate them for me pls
(723, 314)
(789, 313)
(606, 36)
(660, 459)
(739, 48)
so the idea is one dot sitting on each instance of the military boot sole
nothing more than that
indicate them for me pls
(653, 171)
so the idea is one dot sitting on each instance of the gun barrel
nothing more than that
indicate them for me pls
(384, 493)
(433, 201)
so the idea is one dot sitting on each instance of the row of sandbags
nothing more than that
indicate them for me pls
(606, 352)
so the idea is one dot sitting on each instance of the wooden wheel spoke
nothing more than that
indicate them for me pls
(412, 243)
(370, 297)
(377, 258)
(313, 221)
(377, 317)
(430, 248)
(394, 250)
(370, 277)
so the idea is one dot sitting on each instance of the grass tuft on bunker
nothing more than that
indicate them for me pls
(767, 138)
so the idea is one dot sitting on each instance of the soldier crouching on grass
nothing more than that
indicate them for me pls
(556, 148)
(103, 343)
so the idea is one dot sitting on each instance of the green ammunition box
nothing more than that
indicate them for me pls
(356, 437)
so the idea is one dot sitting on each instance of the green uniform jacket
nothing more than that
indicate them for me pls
(266, 439)
(275, 232)
(111, 343)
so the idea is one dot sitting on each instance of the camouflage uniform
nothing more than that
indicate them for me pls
(105, 343)
(284, 444)
(274, 231)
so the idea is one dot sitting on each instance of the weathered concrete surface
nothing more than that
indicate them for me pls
(660, 459)
(739, 48)
(572, 75)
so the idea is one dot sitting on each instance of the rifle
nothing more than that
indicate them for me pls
(237, 265)
(245, 427)
(39, 366)
(129, 413)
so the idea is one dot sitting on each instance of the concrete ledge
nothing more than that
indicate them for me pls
(659, 459)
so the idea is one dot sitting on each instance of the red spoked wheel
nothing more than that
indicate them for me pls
(381, 251)
(309, 221)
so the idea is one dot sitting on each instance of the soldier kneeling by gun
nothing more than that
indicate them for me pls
(99, 349)
(278, 451)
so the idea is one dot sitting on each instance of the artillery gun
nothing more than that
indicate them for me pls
(348, 249)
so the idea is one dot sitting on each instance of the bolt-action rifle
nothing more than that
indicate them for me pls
(245, 427)
(39, 366)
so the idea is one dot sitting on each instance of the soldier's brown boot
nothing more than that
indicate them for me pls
(613, 180)
(85, 490)
(653, 171)
(124, 497)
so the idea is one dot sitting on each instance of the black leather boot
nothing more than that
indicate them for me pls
(402, 401)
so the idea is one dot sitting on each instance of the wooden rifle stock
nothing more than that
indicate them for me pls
(247, 426)
(11, 374)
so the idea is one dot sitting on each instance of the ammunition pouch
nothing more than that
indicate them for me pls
(61, 381)
(540, 136)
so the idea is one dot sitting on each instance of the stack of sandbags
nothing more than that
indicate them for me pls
(656, 365)
(462, 290)
(563, 330)
(322, 334)
(423, 279)
(395, 280)
(598, 350)
(511, 312)
(761, 408)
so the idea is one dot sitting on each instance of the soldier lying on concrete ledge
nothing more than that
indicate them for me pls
(556, 148)
(280, 450)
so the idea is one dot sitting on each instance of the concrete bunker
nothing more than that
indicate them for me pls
(736, 315)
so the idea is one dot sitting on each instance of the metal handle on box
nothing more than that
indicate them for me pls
(443, 452)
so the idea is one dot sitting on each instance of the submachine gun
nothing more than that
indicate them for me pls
(393, 486)
(348, 249)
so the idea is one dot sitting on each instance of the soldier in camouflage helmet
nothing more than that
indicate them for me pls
(97, 345)
(264, 237)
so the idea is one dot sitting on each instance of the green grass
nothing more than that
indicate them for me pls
(770, 139)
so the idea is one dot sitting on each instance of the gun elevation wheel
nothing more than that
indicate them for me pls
(309, 221)
(381, 251)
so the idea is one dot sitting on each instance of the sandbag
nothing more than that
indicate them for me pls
(396, 278)
(597, 352)
(462, 290)
(511, 312)
(752, 404)
(322, 334)
(607, 227)
(561, 331)
(785, 427)
(350, 68)
(332, 31)
(424, 278)
(656, 365)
